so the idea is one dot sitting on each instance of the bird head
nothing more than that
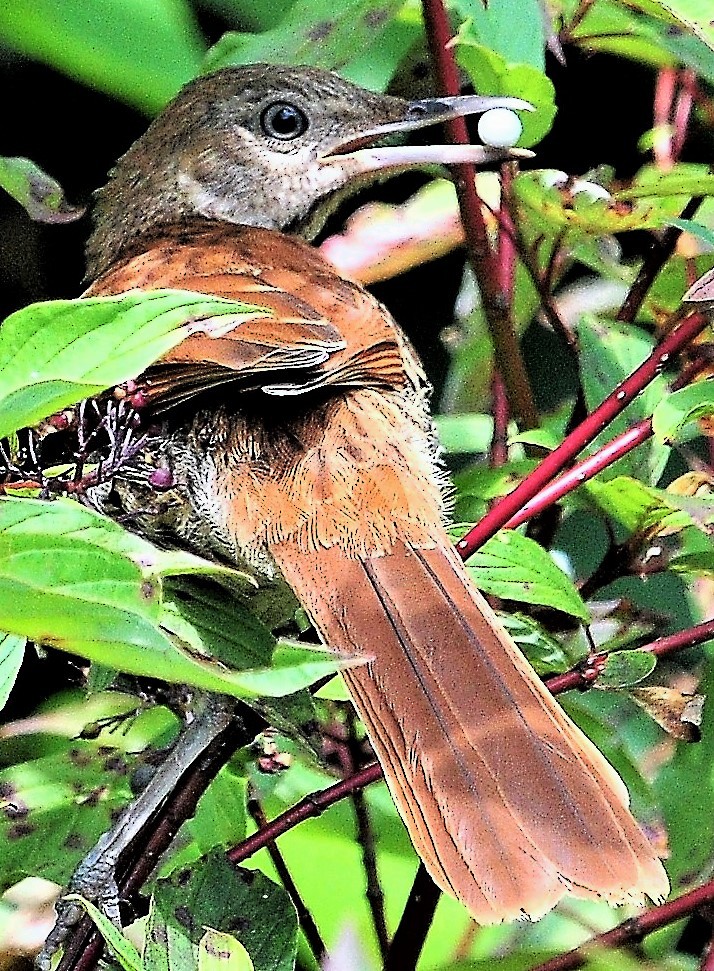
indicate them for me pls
(269, 146)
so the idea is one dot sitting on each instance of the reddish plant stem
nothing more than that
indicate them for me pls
(683, 110)
(309, 807)
(665, 89)
(634, 929)
(582, 677)
(507, 352)
(610, 453)
(583, 471)
(588, 429)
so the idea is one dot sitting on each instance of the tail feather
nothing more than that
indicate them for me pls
(508, 804)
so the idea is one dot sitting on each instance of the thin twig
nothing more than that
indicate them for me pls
(366, 839)
(659, 252)
(309, 807)
(307, 921)
(582, 677)
(588, 429)
(634, 929)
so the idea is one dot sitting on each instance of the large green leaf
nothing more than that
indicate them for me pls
(141, 51)
(71, 579)
(214, 894)
(517, 568)
(492, 26)
(320, 33)
(54, 354)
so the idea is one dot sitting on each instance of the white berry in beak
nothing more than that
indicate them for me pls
(499, 128)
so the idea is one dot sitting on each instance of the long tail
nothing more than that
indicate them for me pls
(507, 803)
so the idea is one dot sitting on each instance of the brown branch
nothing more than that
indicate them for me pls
(633, 930)
(496, 305)
(84, 946)
(659, 252)
(309, 807)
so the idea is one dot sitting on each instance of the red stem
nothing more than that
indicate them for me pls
(634, 929)
(583, 471)
(309, 807)
(507, 352)
(583, 678)
(612, 406)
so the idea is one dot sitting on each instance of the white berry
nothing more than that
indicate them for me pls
(499, 127)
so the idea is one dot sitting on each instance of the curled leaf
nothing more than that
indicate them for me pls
(679, 714)
(37, 192)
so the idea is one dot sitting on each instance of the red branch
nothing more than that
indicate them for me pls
(586, 431)
(583, 471)
(485, 262)
(634, 929)
(583, 677)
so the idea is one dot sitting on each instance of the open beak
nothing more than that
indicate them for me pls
(363, 153)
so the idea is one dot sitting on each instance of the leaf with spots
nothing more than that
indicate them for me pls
(319, 33)
(517, 568)
(53, 809)
(214, 894)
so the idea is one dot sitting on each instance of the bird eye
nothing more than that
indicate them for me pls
(284, 121)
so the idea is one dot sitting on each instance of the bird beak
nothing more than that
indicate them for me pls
(362, 154)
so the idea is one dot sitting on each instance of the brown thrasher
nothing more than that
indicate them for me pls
(303, 446)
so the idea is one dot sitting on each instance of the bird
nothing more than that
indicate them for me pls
(300, 441)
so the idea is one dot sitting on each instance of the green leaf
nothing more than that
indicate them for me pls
(211, 895)
(693, 15)
(140, 51)
(120, 947)
(695, 229)
(643, 509)
(221, 952)
(53, 809)
(517, 568)
(54, 354)
(492, 74)
(318, 33)
(625, 668)
(12, 651)
(679, 408)
(544, 652)
(463, 434)
(74, 580)
(37, 192)
(492, 26)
